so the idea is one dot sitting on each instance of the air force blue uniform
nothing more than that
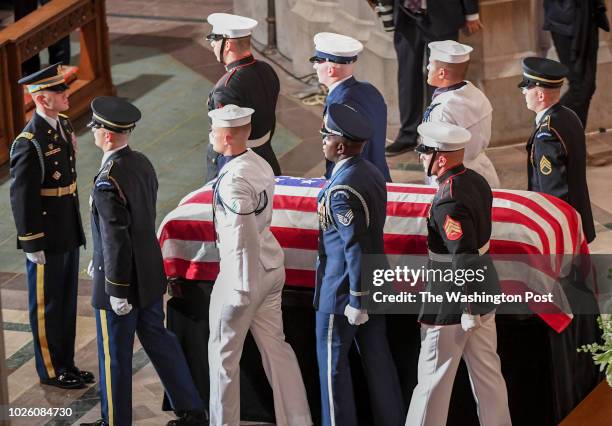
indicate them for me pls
(127, 263)
(352, 213)
(367, 100)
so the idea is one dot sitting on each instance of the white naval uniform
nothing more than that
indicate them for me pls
(442, 347)
(247, 296)
(469, 108)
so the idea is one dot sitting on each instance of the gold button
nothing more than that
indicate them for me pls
(74, 194)
(71, 158)
(72, 170)
(44, 213)
(56, 163)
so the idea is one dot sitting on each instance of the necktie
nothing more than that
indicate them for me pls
(413, 5)
(58, 129)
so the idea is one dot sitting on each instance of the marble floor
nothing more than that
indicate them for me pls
(161, 62)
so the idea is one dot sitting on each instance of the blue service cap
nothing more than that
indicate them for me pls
(542, 72)
(336, 48)
(114, 114)
(344, 120)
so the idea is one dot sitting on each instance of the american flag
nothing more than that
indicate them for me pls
(524, 223)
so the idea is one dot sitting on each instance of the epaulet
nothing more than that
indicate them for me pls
(26, 135)
(63, 115)
(544, 129)
(545, 125)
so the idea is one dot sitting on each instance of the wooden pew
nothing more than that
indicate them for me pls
(37, 31)
(7, 132)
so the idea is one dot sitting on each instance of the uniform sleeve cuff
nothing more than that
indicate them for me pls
(116, 289)
(472, 17)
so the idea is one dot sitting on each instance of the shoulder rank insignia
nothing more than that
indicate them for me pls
(452, 228)
(346, 218)
(545, 166)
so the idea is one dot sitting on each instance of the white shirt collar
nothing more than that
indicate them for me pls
(338, 165)
(107, 154)
(540, 114)
(337, 83)
(52, 121)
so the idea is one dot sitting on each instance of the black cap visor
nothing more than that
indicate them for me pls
(424, 149)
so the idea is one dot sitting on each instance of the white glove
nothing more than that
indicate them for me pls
(470, 322)
(90, 269)
(356, 316)
(120, 306)
(37, 257)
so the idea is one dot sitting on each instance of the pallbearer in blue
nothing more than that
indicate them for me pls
(352, 213)
(128, 274)
(334, 61)
(45, 206)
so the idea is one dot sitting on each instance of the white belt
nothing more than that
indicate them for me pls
(439, 257)
(254, 143)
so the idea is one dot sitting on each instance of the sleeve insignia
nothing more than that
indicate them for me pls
(346, 218)
(103, 184)
(452, 228)
(340, 194)
(545, 166)
(544, 134)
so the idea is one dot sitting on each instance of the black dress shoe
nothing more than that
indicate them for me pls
(99, 422)
(397, 148)
(190, 418)
(65, 380)
(86, 376)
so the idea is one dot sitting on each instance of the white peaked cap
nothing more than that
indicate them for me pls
(443, 136)
(231, 26)
(231, 116)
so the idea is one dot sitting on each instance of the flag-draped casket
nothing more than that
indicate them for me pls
(526, 225)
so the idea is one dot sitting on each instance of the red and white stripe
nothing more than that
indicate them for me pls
(524, 223)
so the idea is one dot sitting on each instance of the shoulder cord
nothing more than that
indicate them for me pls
(352, 191)
(40, 157)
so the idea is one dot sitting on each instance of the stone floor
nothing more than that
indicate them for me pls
(161, 62)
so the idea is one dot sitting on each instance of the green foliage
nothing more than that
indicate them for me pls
(602, 353)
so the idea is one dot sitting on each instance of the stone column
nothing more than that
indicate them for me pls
(311, 17)
(378, 65)
(257, 10)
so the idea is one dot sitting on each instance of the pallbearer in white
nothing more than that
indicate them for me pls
(458, 101)
(247, 292)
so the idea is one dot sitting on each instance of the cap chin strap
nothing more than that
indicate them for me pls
(433, 157)
(221, 51)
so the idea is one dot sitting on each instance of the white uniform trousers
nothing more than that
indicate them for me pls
(231, 315)
(442, 347)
